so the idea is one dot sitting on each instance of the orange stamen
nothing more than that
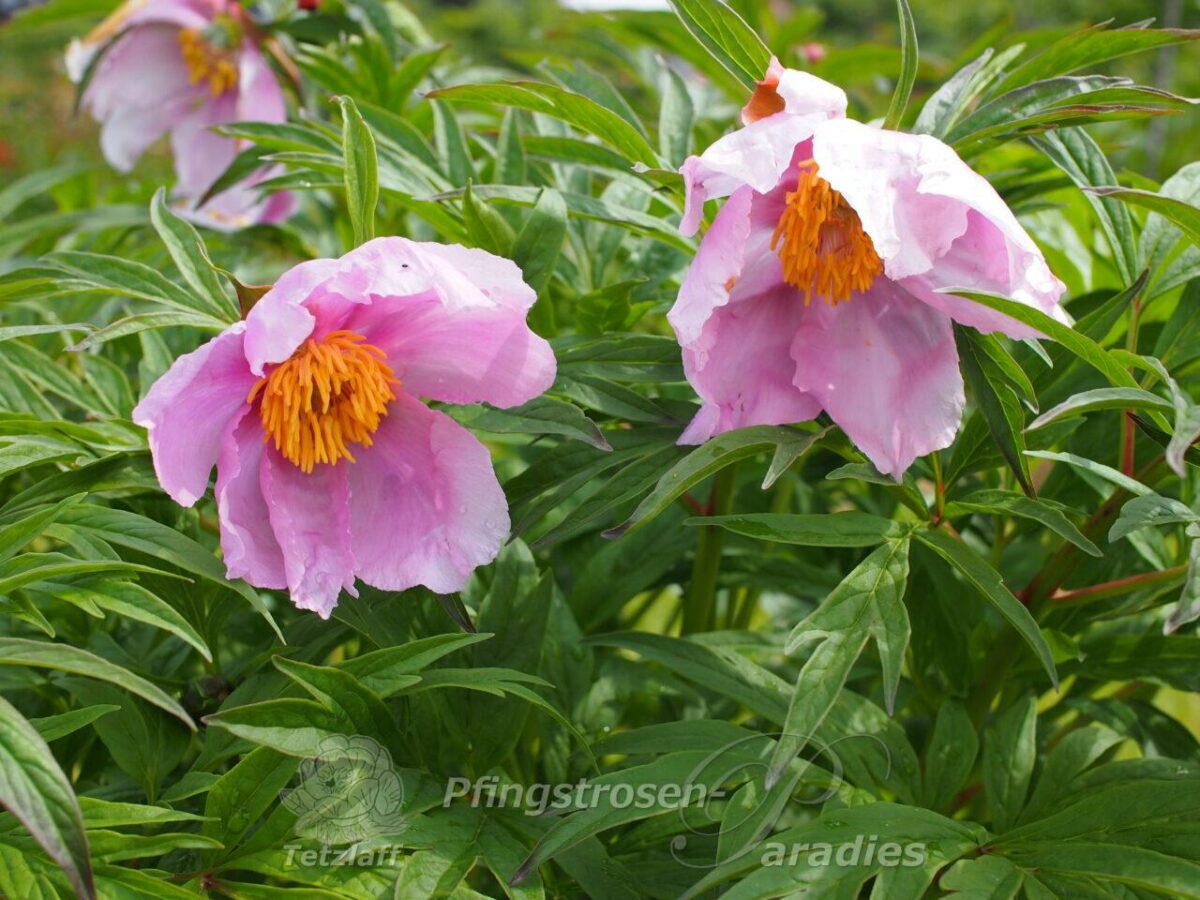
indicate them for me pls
(206, 63)
(821, 242)
(330, 394)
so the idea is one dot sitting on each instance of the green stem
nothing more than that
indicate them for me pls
(699, 611)
(939, 497)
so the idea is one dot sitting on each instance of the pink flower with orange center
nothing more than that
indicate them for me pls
(329, 464)
(181, 67)
(818, 286)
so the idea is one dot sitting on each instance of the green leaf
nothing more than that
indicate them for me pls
(867, 604)
(552, 100)
(17, 534)
(947, 104)
(1078, 344)
(1184, 216)
(536, 251)
(51, 728)
(950, 756)
(1066, 761)
(16, 651)
(35, 790)
(727, 673)
(675, 118)
(486, 227)
(1091, 46)
(131, 601)
(126, 529)
(128, 278)
(908, 67)
(1101, 399)
(843, 529)
(726, 36)
(991, 587)
(1009, 752)
(187, 250)
(1148, 511)
(1074, 151)
(543, 415)
(239, 797)
(289, 725)
(708, 459)
(361, 171)
(144, 743)
(1007, 503)
(997, 401)
(1108, 473)
(1163, 249)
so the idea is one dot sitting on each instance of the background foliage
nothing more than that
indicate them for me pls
(1002, 648)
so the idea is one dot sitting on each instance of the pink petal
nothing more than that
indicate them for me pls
(259, 96)
(458, 356)
(757, 155)
(202, 155)
(884, 176)
(792, 92)
(742, 366)
(243, 205)
(280, 321)
(310, 515)
(983, 259)
(461, 278)
(247, 541)
(885, 368)
(936, 223)
(805, 94)
(188, 408)
(499, 279)
(426, 506)
(451, 320)
(718, 262)
(181, 13)
(136, 110)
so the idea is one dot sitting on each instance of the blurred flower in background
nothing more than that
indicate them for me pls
(181, 67)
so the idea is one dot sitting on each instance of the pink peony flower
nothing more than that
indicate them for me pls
(816, 288)
(329, 466)
(179, 67)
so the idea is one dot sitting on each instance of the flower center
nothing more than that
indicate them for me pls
(329, 394)
(821, 242)
(208, 63)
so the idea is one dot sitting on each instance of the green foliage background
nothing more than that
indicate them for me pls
(996, 658)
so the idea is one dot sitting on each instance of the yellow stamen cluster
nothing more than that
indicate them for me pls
(206, 63)
(331, 393)
(821, 243)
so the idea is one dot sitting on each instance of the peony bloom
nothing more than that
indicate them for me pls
(816, 288)
(329, 465)
(181, 67)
